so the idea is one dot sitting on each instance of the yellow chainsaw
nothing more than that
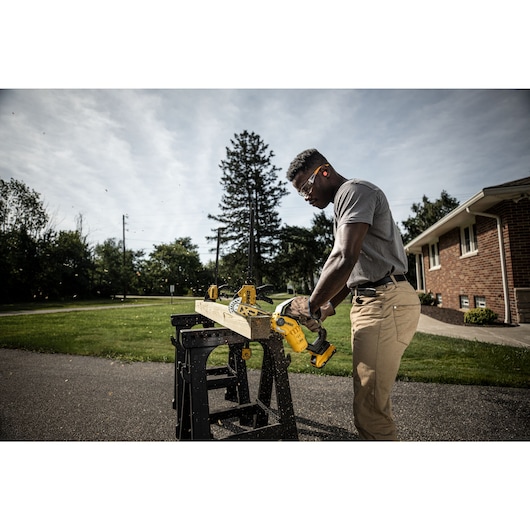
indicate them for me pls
(245, 304)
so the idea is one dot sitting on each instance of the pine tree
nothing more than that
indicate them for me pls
(252, 194)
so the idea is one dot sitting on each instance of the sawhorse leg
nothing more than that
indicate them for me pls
(274, 371)
(193, 380)
(182, 391)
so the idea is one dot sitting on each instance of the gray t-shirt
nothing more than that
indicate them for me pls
(382, 253)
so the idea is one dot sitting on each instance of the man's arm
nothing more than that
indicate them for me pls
(340, 296)
(331, 285)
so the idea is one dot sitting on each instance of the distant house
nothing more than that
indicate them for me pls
(479, 254)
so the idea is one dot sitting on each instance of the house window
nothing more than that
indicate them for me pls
(434, 255)
(464, 301)
(480, 301)
(468, 240)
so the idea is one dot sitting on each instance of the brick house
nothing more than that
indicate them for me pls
(479, 254)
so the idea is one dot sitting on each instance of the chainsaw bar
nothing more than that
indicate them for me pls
(233, 306)
(236, 306)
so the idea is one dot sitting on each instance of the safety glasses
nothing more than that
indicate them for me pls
(306, 189)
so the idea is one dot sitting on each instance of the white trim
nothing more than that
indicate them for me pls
(473, 242)
(434, 258)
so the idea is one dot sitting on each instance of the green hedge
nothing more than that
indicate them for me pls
(480, 317)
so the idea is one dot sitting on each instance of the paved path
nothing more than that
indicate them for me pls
(518, 336)
(67, 309)
(69, 397)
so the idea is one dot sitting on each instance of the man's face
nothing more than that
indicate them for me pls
(309, 185)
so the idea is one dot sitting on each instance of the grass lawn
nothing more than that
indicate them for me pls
(133, 332)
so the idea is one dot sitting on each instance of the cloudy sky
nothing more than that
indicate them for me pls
(154, 154)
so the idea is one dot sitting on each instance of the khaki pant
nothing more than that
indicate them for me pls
(382, 328)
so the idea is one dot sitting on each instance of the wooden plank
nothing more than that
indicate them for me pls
(249, 327)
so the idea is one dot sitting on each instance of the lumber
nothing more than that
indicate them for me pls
(252, 328)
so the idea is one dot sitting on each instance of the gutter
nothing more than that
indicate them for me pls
(458, 210)
(507, 314)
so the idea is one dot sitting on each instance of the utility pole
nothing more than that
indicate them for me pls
(216, 281)
(124, 261)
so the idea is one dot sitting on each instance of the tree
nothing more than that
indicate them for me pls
(252, 194)
(322, 229)
(22, 219)
(426, 214)
(303, 252)
(112, 271)
(66, 266)
(19, 266)
(175, 264)
(296, 263)
(21, 209)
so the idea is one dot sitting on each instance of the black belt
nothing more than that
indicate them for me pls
(382, 281)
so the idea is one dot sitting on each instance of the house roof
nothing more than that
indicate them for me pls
(481, 202)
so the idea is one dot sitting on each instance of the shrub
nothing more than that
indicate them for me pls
(480, 316)
(427, 299)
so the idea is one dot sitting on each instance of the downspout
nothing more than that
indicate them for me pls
(507, 313)
(419, 276)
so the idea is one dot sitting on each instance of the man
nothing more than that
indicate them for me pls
(368, 260)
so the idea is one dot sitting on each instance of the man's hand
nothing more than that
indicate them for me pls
(326, 310)
(299, 309)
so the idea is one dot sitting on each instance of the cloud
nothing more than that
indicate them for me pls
(155, 154)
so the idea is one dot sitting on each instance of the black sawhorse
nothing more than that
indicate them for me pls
(193, 381)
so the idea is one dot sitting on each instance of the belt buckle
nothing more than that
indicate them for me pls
(367, 291)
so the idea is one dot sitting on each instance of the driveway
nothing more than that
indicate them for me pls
(517, 335)
(70, 397)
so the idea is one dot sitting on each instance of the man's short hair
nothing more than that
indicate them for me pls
(304, 161)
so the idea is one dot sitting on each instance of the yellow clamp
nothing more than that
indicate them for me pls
(246, 353)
